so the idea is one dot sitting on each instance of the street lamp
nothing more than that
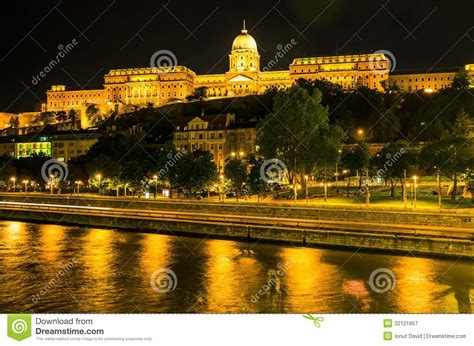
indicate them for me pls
(51, 183)
(414, 190)
(155, 178)
(78, 183)
(221, 177)
(13, 179)
(241, 153)
(306, 187)
(438, 181)
(325, 185)
(26, 186)
(99, 177)
(337, 163)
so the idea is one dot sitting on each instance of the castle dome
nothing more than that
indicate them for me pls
(244, 41)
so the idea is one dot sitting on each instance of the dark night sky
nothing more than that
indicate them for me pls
(440, 29)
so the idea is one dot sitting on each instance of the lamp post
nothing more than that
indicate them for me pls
(337, 163)
(99, 177)
(325, 185)
(51, 183)
(26, 186)
(155, 178)
(78, 183)
(404, 188)
(306, 187)
(438, 180)
(13, 179)
(360, 134)
(221, 177)
(414, 190)
(367, 190)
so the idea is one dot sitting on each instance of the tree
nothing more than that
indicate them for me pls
(452, 157)
(356, 159)
(461, 125)
(462, 80)
(165, 165)
(386, 127)
(7, 169)
(134, 173)
(14, 122)
(61, 117)
(235, 171)
(106, 167)
(255, 182)
(298, 132)
(199, 94)
(195, 172)
(94, 116)
(72, 117)
(45, 118)
(31, 167)
(393, 162)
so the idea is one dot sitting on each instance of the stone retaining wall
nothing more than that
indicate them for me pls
(389, 242)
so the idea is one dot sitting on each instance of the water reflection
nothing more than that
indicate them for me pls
(112, 271)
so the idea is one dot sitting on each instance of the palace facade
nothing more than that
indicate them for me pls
(435, 80)
(124, 88)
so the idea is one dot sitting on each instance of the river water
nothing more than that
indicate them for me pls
(51, 268)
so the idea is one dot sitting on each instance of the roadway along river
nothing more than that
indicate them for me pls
(50, 268)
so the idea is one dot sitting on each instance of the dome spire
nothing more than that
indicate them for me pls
(244, 30)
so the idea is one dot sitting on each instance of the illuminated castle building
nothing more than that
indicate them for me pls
(125, 89)
(162, 85)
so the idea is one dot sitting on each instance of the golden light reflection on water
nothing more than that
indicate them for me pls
(96, 257)
(306, 279)
(225, 270)
(357, 290)
(14, 237)
(112, 273)
(154, 255)
(416, 287)
(51, 242)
